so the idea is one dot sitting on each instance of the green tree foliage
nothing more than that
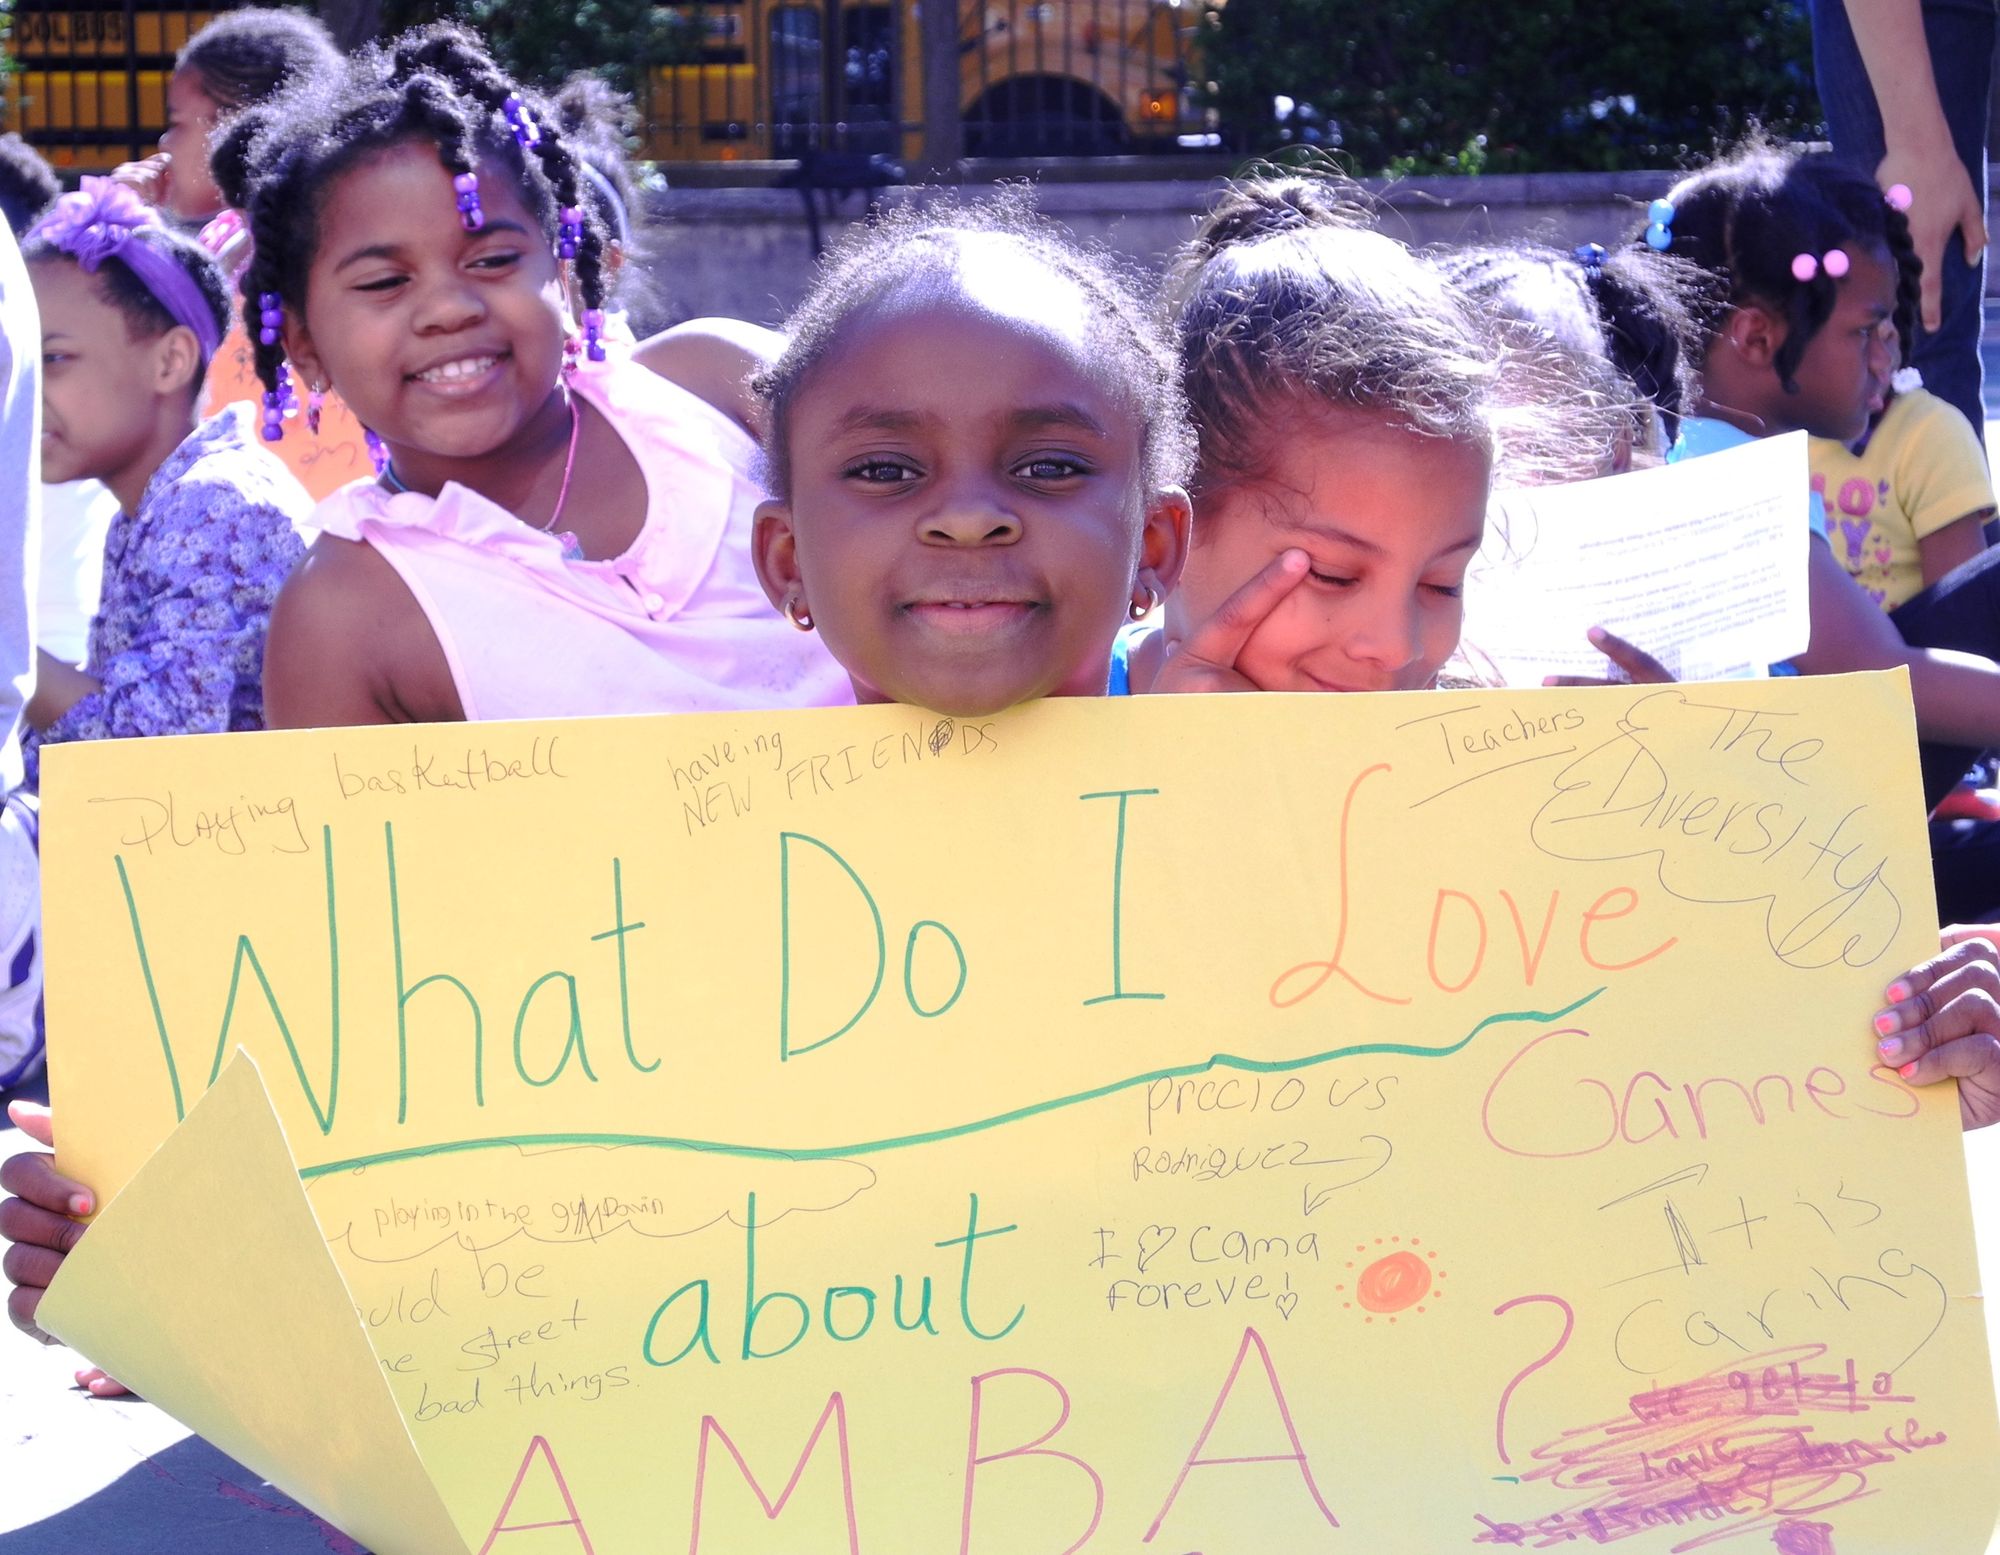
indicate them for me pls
(8, 64)
(543, 41)
(1396, 86)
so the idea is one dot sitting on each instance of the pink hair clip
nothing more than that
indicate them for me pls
(1833, 262)
(1898, 197)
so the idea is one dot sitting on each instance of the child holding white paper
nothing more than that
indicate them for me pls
(1815, 285)
(1353, 416)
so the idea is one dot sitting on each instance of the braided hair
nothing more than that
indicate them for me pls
(1746, 218)
(1632, 315)
(435, 84)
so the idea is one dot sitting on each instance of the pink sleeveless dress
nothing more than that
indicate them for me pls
(677, 624)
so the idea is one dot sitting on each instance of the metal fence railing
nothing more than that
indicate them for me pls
(740, 79)
(788, 78)
(776, 78)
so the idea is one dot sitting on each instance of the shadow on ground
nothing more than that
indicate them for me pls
(187, 1499)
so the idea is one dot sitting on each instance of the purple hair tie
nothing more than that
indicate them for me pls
(276, 401)
(521, 120)
(105, 220)
(470, 216)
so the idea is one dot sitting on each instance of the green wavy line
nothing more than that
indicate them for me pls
(956, 1131)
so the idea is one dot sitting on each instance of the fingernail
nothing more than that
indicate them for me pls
(1596, 634)
(79, 1204)
(1887, 1024)
(1898, 991)
(1548, 680)
(1907, 1071)
(1296, 561)
(1889, 1047)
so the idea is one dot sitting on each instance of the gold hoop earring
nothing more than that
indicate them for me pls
(1138, 611)
(802, 619)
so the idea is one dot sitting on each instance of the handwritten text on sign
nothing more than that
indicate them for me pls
(1205, 1124)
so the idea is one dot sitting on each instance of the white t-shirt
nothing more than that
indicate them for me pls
(76, 516)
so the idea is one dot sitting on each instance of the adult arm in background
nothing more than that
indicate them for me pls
(20, 496)
(1919, 151)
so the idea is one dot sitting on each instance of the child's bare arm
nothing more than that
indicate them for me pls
(1943, 550)
(1957, 695)
(1943, 1021)
(715, 359)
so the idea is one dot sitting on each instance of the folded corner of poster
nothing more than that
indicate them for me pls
(206, 1286)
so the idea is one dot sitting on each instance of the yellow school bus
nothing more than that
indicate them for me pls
(751, 79)
(778, 78)
(90, 86)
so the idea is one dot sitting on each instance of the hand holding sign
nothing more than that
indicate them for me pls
(880, 1162)
(42, 1226)
(1943, 1022)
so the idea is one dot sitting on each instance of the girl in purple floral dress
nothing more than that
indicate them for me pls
(131, 315)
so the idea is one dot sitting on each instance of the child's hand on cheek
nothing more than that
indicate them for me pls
(1943, 1021)
(1206, 659)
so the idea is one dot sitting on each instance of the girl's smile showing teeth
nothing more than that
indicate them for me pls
(459, 375)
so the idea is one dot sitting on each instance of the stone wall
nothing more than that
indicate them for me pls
(747, 254)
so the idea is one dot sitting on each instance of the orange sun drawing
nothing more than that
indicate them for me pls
(1401, 1279)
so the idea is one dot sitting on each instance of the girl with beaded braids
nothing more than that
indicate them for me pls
(1812, 303)
(561, 525)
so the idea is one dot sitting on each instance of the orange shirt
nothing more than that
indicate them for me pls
(323, 463)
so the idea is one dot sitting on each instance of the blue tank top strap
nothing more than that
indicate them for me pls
(1120, 684)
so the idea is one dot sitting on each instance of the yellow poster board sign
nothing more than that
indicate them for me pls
(1404, 1123)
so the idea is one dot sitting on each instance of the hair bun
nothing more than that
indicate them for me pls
(1260, 208)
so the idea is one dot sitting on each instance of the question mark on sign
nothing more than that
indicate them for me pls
(1521, 1376)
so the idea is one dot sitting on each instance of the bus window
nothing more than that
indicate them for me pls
(868, 77)
(798, 90)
